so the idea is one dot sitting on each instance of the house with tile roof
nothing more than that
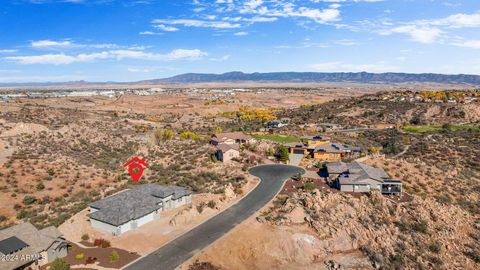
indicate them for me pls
(23, 246)
(135, 207)
(360, 177)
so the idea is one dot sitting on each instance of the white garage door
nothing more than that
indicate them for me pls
(143, 220)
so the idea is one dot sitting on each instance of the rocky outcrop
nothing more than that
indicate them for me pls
(419, 234)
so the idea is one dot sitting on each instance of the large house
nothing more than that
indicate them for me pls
(133, 208)
(320, 148)
(23, 246)
(231, 138)
(227, 152)
(336, 152)
(359, 177)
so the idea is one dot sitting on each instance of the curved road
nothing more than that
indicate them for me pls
(174, 253)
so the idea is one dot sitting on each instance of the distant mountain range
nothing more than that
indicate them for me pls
(356, 77)
(287, 77)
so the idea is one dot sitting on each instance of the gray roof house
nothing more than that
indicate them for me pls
(359, 177)
(132, 208)
(30, 247)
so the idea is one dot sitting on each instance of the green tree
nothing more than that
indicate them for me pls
(59, 264)
(218, 130)
(281, 152)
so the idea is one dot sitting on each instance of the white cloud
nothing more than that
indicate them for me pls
(253, 4)
(50, 43)
(67, 44)
(472, 44)
(166, 28)
(198, 23)
(139, 70)
(459, 20)
(8, 51)
(61, 59)
(150, 33)
(241, 34)
(345, 67)
(422, 34)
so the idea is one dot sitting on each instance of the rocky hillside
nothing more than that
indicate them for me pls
(422, 234)
(375, 109)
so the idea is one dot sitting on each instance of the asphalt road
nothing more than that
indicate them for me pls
(186, 246)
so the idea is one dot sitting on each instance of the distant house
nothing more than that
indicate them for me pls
(278, 123)
(133, 208)
(320, 148)
(336, 152)
(385, 126)
(359, 177)
(231, 138)
(330, 126)
(30, 247)
(313, 141)
(227, 152)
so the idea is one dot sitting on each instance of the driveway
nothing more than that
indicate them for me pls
(184, 247)
(295, 159)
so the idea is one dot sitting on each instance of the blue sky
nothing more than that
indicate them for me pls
(119, 40)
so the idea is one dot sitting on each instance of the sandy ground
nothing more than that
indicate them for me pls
(5, 151)
(261, 246)
(171, 223)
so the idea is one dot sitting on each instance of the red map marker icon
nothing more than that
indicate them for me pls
(135, 168)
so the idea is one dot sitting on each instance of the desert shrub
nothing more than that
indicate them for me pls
(40, 186)
(203, 266)
(309, 186)
(90, 260)
(101, 243)
(27, 200)
(85, 237)
(114, 256)
(297, 177)
(211, 204)
(200, 207)
(59, 264)
(434, 247)
(50, 171)
(189, 135)
(2, 218)
(163, 135)
(80, 256)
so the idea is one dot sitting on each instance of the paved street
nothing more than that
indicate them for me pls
(184, 247)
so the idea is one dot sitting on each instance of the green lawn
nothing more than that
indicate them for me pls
(276, 138)
(430, 128)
